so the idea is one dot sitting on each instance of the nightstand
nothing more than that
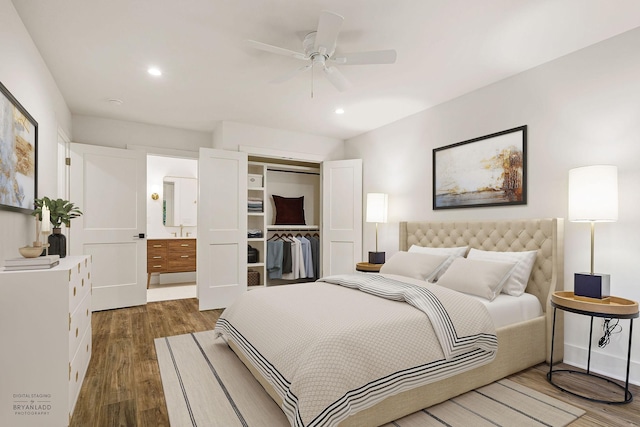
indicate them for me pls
(368, 267)
(615, 308)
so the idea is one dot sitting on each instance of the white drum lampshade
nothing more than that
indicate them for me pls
(593, 197)
(377, 212)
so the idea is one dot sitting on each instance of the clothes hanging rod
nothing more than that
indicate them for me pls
(290, 171)
(293, 228)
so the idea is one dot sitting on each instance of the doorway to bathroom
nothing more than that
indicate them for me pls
(172, 231)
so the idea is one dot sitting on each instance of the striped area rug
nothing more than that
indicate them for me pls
(205, 384)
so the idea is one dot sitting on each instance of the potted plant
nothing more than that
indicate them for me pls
(61, 212)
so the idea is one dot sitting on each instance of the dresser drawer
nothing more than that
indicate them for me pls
(182, 263)
(181, 245)
(156, 266)
(78, 368)
(154, 245)
(79, 322)
(79, 283)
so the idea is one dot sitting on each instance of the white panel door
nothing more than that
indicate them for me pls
(222, 227)
(108, 185)
(341, 216)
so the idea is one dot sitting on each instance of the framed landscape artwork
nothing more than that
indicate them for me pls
(18, 155)
(487, 171)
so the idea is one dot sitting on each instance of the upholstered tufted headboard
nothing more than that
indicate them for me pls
(543, 235)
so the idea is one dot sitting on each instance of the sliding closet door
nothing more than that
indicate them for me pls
(341, 216)
(222, 227)
(109, 186)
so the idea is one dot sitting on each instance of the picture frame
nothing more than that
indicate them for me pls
(18, 155)
(490, 170)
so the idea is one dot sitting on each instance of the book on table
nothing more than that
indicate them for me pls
(46, 261)
(31, 266)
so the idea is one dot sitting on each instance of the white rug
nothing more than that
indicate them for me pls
(205, 384)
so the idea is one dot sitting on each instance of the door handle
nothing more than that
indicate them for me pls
(139, 236)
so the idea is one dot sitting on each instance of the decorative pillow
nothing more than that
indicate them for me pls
(517, 282)
(289, 210)
(471, 276)
(452, 253)
(415, 265)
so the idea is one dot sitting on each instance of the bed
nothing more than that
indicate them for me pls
(518, 345)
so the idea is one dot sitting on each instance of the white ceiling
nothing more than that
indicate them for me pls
(100, 49)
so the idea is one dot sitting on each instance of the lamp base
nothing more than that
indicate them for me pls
(376, 257)
(591, 285)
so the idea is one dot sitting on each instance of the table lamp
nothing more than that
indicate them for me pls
(593, 197)
(376, 212)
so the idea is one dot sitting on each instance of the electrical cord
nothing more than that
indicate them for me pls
(609, 328)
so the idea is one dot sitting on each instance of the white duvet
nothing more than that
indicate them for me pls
(333, 349)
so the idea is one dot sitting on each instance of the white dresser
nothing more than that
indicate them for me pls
(45, 330)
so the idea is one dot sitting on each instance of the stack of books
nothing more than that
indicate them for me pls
(38, 263)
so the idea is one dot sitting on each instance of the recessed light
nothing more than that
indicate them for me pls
(154, 71)
(339, 110)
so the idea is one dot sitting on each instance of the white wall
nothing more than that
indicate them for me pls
(120, 134)
(25, 75)
(581, 109)
(297, 145)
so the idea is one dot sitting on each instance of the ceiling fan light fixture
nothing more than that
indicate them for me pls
(319, 48)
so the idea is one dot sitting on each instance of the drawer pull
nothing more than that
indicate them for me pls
(157, 257)
(82, 282)
(186, 245)
(76, 332)
(74, 291)
(157, 266)
(184, 256)
(76, 376)
(157, 246)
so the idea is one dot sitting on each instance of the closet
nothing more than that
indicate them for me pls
(288, 182)
(236, 210)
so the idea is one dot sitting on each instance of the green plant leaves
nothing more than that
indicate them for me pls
(62, 211)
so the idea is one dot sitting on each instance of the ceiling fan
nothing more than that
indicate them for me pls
(319, 50)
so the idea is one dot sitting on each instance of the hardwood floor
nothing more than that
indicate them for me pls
(123, 385)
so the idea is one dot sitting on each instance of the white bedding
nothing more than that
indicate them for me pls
(507, 310)
(328, 364)
(504, 309)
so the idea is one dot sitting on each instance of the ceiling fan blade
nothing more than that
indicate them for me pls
(291, 74)
(372, 57)
(329, 26)
(275, 49)
(337, 78)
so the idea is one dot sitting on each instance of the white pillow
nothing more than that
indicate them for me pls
(415, 265)
(518, 280)
(452, 253)
(482, 278)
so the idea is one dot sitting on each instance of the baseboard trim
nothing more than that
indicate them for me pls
(609, 365)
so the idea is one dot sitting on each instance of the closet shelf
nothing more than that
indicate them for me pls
(292, 227)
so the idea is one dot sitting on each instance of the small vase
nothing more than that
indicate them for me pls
(58, 243)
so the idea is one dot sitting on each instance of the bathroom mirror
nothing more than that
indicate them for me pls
(180, 201)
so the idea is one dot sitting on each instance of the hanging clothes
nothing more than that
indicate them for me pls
(306, 256)
(315, 255)
(274, 258)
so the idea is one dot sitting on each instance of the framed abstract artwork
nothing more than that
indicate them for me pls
(18, 155)
(487, 171)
